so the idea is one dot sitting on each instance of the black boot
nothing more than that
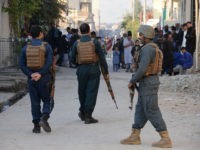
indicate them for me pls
(81, 116)
(89, 119)
(36, 128)
(44, 124)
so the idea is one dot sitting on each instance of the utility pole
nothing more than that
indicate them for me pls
(133, 9)
(74, 14)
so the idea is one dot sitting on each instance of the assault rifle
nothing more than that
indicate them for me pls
(109, 86)
(131, 94)
(52, 88)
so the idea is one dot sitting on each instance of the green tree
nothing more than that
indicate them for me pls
(126, 19)
(18, 11)
(27, 12)
(129, 25)
(49, 12)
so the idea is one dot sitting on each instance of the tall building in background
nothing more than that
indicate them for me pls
(80, 11)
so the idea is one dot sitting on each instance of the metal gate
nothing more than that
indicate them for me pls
(9, 52)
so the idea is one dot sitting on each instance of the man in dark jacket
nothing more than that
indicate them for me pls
(38, 82)
(88, 72)
(168, 50)
(191, 38)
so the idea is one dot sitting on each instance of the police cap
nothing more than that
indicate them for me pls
(147, 31)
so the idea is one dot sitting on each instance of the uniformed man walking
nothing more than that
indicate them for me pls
(147, 105)
(35, 62)
(87, 54)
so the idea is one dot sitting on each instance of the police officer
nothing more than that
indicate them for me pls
(147, 108)
(38, 82)
(88, 72)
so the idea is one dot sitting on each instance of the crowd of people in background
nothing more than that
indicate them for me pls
(177, 43)
(178, 46)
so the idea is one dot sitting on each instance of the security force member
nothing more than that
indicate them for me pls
(87, 54)
(38, 81)
(147, 104)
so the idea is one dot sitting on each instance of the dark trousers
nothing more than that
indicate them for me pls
(115, 67)
(147, 109)
(39, 91)
(88, 85)
(60, 58)
(190, 49)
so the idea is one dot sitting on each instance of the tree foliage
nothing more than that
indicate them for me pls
(129, 25)
(49, 12)
(42, 12)
(18, 10)
(126, 19)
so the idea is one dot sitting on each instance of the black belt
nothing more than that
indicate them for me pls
(91, 64)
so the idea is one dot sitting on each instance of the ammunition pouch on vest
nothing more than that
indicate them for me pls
(35, 56)
(86, 53)
(155, 67)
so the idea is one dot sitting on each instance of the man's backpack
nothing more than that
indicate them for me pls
(35, 56)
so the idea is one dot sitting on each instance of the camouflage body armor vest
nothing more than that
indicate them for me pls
(154, 67)
(86, 53)
(35, 56)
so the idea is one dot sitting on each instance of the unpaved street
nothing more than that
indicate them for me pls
(181, 111)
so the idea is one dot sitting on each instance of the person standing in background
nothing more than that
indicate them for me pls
(128, 45)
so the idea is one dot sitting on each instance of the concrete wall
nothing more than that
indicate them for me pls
(6, 50)
(4, 21)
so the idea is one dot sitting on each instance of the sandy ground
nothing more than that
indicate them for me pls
(181, 112)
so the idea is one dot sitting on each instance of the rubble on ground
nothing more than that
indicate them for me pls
(189, 83)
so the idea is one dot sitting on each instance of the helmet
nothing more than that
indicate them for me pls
(147, 31)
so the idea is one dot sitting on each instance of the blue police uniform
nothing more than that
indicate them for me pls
(38, 90)
(88, 76)
(147, 104)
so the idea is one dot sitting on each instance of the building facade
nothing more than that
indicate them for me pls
(4, 21)
(6, 49)
(80, 11)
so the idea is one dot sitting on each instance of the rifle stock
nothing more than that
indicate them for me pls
(109, 86)
(52, 88)
(131, 94)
